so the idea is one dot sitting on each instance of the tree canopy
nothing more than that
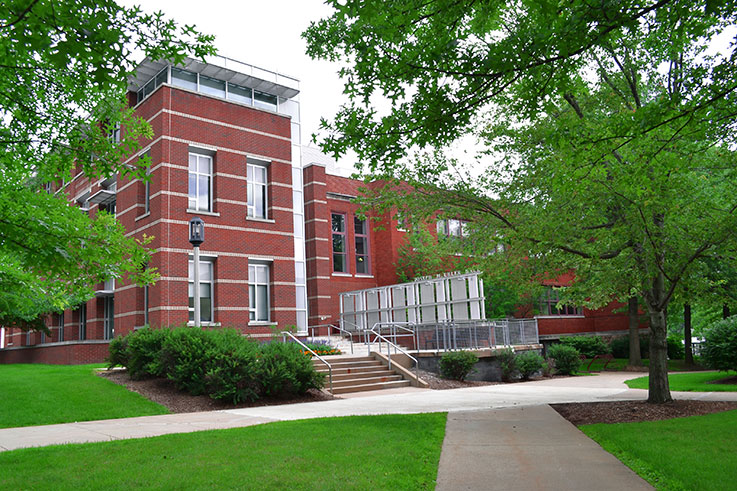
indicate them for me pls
(607, 132)
(64, 67)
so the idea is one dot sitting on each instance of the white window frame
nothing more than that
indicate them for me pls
(82, 335)
(250, 189)
(197, 173)
(190, 281)
(253, 303)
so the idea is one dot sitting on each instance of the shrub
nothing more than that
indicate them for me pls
(587, 345)
(457, 365)
(232, 372)
(719, 349)
(143, 347)
(284, 370)
(620, 346)
(184, 358)
(676, 349)
(548, 367)
(508, 362)
(528, 364)
(567, 358)
(117, 352)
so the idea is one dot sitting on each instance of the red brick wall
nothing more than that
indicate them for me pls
(67, 353)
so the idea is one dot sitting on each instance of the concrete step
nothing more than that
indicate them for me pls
(346, 366)
(344, 371)
(365, 381)
(338, 361)
(353, 364)
(367, 387)
(361, 375)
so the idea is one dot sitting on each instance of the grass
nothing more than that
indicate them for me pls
(49, 394)
(618, 364)
(690, 382)
(682, 453)
(355, 452)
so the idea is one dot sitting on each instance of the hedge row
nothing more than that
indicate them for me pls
(220, 363)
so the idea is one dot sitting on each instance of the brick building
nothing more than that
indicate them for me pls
(283, 238)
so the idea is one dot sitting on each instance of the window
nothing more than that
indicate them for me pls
(451, 228)
(212, 86)
(240, 94)
(114, 134)
(340, 252)
(256, 190)
(264, 101)
(147, 184)
(200, 182)
(83, 321)
(206, 302)
(109, 316)
(184, 79)
(360, 231)
(145, 305)
(258, 292)
(549, 301)
(61, 327)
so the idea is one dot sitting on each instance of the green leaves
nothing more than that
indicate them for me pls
(64, 67)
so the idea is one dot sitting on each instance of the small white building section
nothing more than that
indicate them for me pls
(430, 300)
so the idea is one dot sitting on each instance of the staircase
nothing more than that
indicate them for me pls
(359, 374)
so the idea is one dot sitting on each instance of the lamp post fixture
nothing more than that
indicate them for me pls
(196, 237)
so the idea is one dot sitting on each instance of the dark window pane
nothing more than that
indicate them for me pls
(339, 264)
(338, 222)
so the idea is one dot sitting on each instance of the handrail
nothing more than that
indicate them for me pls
(330, 367)
(393, 326)
(335, 327)
(389, 344)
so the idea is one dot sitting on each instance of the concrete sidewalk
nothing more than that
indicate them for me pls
(527, 448)
(604, 387)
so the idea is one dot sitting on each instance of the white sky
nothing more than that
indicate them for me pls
(266, 33)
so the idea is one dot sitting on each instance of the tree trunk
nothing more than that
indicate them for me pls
(687, 333)
(634, 323)
(659, 388)
(725, 311)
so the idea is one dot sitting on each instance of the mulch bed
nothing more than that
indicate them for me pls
(438, 383)
(163, 392)
(634, 411)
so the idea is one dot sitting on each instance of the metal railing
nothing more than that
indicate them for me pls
(330, 367)
(340, 329)
(389, 346)
(475, 334)
(390, 330)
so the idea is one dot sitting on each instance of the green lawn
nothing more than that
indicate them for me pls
(356, 452)
(48, 394)
(690, 382)
(697, 452)
(619, 364)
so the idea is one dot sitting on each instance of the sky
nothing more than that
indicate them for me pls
(266, 33)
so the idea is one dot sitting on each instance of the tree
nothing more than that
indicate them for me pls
(64, 67)
(608, 130)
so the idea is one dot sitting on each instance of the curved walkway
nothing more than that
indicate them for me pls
(497, 436)
(607, 386)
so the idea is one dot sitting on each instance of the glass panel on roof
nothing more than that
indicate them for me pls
(264, 101)
(240, 94)
(212, 86)
(183, 78)
(162, 77)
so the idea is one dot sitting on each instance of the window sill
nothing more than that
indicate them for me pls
(148, 213)
(205, 324)
(345, 275)
(364, 276)
(262, 220)
(263, 323)
(199, 212)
